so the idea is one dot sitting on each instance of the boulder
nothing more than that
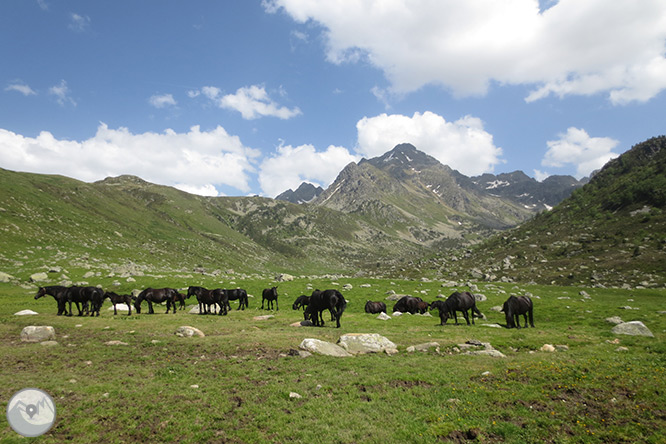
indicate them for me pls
(263, 317)
(633, 328)
(37, 333)
(188, 332)
(115, 342)
(302, 324)
(25, 312)
(425, 347)
(383, 316)
(284, 277)
(4, 277)
(323, 348)
(614, 320)
(357, 343)
(39, 277)
(492, 353)
(547, 348)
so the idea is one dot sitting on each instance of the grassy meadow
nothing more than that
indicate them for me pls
(233, 385)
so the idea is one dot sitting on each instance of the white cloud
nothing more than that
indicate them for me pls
(197, 159)
(540, 176)
(290, 166)
(577, 148)
(565, 48)
(62, 93)
(22, 88)
(78, 23)
(463, 145)
(251, 101)
(205, 190)
(43, 5)
(162, 101)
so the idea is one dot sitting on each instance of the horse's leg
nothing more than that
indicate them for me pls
(150, 308)
(531, 317)
(466, 316)
(129, 309)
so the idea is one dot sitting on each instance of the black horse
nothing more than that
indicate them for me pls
(156, 295)
(375, 307)
(457, 302)
(270, 295)
(59, 294)
(301, 302)
(221, 298)
(81, 295)
(331, 300)
(119, 299)
(409, 304)
(516, 306)
(205, 298)
(180, 297)
(96, 300)
(237, 294)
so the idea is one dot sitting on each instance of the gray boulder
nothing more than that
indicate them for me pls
(323, 348)
(357, 343)
(614, 320)
(383, 316)
(37, 333)
(4, 277)
(188, 332)
(633, 328)
(39, 277)
(25, 313)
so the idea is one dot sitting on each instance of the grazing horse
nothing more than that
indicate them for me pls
(180, 297)
(205, 298)
(457, 302)
(270, 295)
(331, 300)
(516, 306)
(375, 307)
(96, 300)
(408, 304)
(156, 295)
(237, 294)
(80, 295)
(59, 294)
(119, 299)
(301, 302)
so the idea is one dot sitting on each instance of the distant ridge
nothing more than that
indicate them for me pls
(305, 193)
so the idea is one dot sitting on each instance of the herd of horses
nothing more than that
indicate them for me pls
(89, 300)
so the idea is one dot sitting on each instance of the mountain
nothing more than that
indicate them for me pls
(305, 193)
(612, 231)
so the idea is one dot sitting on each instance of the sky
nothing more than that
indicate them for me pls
(253, 97)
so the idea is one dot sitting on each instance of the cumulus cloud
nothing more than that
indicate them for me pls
(463, 145)
(567, 48)
(195, 161)
(577, 148)
(289, 166)
(78, 23)
(251, 101)
(62, 93)
(162, 100)
(22, 88)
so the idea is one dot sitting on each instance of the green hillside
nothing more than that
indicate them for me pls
(612, 231)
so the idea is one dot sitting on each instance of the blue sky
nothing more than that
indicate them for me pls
(244, 97)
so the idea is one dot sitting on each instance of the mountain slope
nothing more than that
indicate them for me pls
(610, 231)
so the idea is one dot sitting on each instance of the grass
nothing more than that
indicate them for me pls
(244, 370)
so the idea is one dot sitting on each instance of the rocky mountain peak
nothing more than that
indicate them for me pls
(305, 193)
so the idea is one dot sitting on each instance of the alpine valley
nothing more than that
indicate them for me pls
(402, 214)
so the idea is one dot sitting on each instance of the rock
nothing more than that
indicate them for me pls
(263, 317)
(89, 274)
(187, 332)
(194, 386)
(323, 348)
(480, 297)
(48, 343)
(294, 395)
(547, 348)
(115, 343)
(119, 307)
(25, 313)
(194, 310)
(301, 324)
(39, 277)
(37, 333)
(497, 308)
(621, 349)
(614, 320)
(383, 316)
(627, 307)
(633, 328)
(491, 325)
(284, 277)
(424, 347)
(561, 347)
(493, 353)
(365, 285)
(395, 297)
(397, 313)
(357, 343)
(4, 277)
(450, 284)
(347, 287)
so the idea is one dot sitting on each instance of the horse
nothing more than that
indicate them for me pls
(408, 304)
(119, 299)
(375, 307)
(180, 297)
(58, 293)
(516, 306)
(270, 295)
(156, 295)
(331, 300)
(221, 298)
(457, 302)
(80, 295)
(301, 302)
(96, 300)
(237, 294)
(205, 298)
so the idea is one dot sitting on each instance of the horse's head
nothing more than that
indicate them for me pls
(41, 292)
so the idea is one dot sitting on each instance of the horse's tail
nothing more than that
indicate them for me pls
(530, 316)
(342, 305)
